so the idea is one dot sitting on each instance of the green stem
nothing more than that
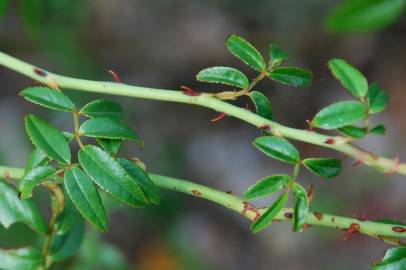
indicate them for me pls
(371, 228)
(337, 143)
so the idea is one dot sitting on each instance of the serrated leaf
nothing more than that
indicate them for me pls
(340, 114)
(350, 77)
(377, 98)
(48, 138)
(103, 108)
(32, 178)
(292, 76)
(48, 98)
(13, 210)
(86, 198)
(107, 128)
(21, 259)
(223, 75)
(37, 158)
(277, 148)
(244, 51)
(266, 219)
(364, 15)
(111, 146)
(353, 131)
(110, 176)
(301, 206)
(277, 55)
(379, 129)
(267, 186)
(324, 167)
(66, 245)
(262, 104)
(141, 177)
(394, 259)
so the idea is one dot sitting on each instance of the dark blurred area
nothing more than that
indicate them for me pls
(163, 44)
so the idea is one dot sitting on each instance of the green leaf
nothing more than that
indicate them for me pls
(32, 178)
(301, 207)
(37, 158)
(151, 192)
(394, 259)
(103, 108)
(110, 176)
(350, 77)
(223, 75)
(107, 128)
(353, 131)
(111, 146)
(377, 98)
(379, 129)
(48, 138)
(277, 55)
(324, 167)
(267, 186)
(292, 76)
(13, 210)
(48, 98)
(21, 259)
(86, 198)
(67, 218)
(66, 245)
(244, 51)
(340, 114)
(266, 219)
(364, 15)
(3, 7)
(69, 136)
(262, 104)
(277, 148)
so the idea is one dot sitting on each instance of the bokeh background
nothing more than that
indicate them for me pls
(164, 44)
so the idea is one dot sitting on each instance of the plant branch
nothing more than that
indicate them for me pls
(337, 143)
(375, 229)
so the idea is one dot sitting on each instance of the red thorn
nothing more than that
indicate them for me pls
(39, 72)
(396, 166)
(318, 215)
(196, 192)
(115, 76)
(330, 141)
(189, 91)
(354, 228)
(249, 207)
(310, 193)
(362, 218)
(266, 128)
(399, 229)
(219, 117)
(357, 162)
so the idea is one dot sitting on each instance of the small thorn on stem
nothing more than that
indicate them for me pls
(357, 162)
(265, 128)
(309, 123)
(115, 76)
(362, 218)
(39, 72)
(330, 141)
(219, 117)
(354, 228)
(396, 166)
(189, 91)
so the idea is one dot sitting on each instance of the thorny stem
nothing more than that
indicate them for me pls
(59, 204)
(387, 232)
(337, 143)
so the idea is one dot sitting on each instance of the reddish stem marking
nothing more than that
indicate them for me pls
(310, 193)
(115, 76)
(399, 229)
(39, 72)
(189, 91)
(196, 192)
(357, 162)
(396, 166)
(318, 215)
(330, 141)
(219, 117)
(249, 207)
(354, 228)
(266, 128)
(363, 217)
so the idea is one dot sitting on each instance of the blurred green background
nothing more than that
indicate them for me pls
(164, 44)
